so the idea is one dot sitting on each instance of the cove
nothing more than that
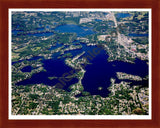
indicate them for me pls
(26, 69)
(53, 68)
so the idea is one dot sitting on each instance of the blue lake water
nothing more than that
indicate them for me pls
(123, 15)
(40, 29)
(138, 35)
(20, 32)
(47, 27)
(26, 69)
(15, 32)
(99, 20)
(85, 48)
(41, 34)
(71, 28)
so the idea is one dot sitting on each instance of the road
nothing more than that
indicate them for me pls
(121, 39)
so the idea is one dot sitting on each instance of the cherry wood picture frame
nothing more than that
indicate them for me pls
(104, 4)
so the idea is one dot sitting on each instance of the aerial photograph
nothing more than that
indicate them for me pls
(70, 62)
